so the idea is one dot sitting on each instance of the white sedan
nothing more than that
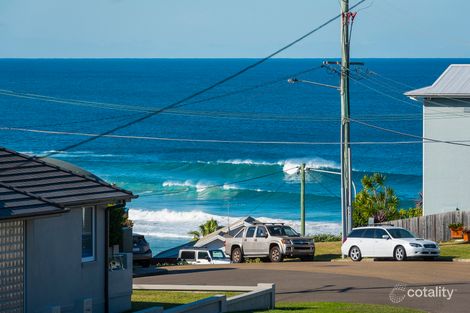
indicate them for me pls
(387, 242)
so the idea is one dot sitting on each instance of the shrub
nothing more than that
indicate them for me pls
(455, 226)
(325, 237)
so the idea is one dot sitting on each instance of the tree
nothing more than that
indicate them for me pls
(375, 200)
(205, 229)
(117, 220)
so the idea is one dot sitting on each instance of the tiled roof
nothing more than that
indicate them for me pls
(454, 82)
(42, 185)
(15, 203)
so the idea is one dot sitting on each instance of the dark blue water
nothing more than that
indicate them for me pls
(172, 177)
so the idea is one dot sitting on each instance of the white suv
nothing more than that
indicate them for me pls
(387, 242)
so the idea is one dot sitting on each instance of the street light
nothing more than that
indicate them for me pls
(334, 173)
(294, 80)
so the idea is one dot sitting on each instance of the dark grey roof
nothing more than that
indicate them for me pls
(43, 183)
(15, 203)
(454, 82)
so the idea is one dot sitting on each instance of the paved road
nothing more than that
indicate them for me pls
(364, 282)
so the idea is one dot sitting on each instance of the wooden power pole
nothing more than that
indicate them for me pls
(302, 199)
(346, 198)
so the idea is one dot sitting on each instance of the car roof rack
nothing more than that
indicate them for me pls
(382, 224)
(263, 223)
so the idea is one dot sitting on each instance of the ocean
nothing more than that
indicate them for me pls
(183, 183)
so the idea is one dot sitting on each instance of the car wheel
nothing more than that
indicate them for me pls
(355, 254)
(399, 254)
(275, 254)
(236, 255)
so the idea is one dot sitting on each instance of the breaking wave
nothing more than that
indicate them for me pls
(167, 223)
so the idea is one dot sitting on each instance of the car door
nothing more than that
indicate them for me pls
(261, 241)
(382, 247)
(203, 257)
(366, 243)
(249, 241)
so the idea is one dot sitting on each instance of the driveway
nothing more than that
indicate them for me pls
(425, 283)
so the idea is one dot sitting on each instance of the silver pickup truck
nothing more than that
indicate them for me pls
(274, 241)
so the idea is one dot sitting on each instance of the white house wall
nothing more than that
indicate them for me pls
(446, 168)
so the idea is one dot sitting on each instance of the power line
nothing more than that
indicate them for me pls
(459, 143)
(180, 102)
(407, 101)
(147, 109)
(221, 185)
(257, 142)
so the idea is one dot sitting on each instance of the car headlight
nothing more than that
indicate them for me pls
(416, 245)
(286, 241)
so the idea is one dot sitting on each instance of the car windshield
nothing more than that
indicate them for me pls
(217, 254)
(400, 233)
(282, 231)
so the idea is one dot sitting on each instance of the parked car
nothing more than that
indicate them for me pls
(272, 240)
(387, 242)
(142, 254)
(197, 256)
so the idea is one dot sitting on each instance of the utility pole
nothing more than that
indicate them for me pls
(302, 199)
(346, 199)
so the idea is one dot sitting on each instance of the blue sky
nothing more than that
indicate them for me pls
(217, 28)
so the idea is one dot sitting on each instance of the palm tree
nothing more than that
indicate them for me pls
(375, 200)
(205, 229)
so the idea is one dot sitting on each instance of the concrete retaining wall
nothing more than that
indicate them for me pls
(260, 297)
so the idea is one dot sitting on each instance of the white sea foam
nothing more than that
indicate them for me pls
(167, 223)
(246, 162)
(70, 154)
(199, 186)
(291, 166)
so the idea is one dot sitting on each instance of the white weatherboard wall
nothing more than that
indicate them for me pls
(446, 167)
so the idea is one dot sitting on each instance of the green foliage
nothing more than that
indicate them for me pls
(117, 220)
(326, 237)
(411, 212)
(205, 229)
(375, 200)
(256, 260)
(455, 226)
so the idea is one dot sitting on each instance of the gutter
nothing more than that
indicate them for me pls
(106, 259)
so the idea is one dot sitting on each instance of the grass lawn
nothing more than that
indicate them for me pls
(459, 250)
(326, 251)
(142, 299)
(337, 307)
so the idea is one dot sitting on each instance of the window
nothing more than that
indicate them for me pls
(400, 233)
(240, 234)
(88, 234)
(217, 254)
(188, 255)
(368, 233)
(202, 255)
(250, 232)
(379, 233)
(282, 231)
(261, 232)
(356, 233)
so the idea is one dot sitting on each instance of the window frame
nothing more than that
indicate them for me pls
(190, 252)
(248, 229)
(203, 258)
(257, 232)
(91, 258)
